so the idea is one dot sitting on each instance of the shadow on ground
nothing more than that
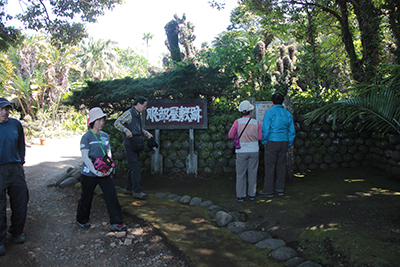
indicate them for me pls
(346, 217)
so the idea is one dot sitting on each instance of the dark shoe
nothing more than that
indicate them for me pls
(2, 250)
(140, 195)
(251, 198)
(19, 239)
(279, 192)
(239, 199)
(263, 194)
(83, 225)
(118, 227)
(128, 192)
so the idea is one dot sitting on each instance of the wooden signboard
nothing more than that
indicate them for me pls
(175, 114)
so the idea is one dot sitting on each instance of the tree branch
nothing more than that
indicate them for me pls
(47, 14)
(328, 10)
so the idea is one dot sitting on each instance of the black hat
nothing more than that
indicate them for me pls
(4, 103)
(151, 143)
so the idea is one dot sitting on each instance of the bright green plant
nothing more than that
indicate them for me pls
(187, 82)
(6, 71)
(376, 105)
(39, 76)
(233, 54)
(75, 121)
(308, 100)
(131, 64)
(23, 91)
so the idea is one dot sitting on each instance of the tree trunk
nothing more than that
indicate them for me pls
(369, 20)
(393, 8)
(347, 37)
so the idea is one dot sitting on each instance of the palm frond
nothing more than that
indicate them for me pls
(377, 109)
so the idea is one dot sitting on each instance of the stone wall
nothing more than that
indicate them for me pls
(212, 147)
(317, 146)
(320, 146)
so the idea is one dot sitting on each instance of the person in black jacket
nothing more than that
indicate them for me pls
(12, 176)
(130, 124)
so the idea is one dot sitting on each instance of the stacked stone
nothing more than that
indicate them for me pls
(317, 146)
(320, 146)
(235, 222)
(212, 147)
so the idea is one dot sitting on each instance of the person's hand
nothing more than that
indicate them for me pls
(103, 174)
(128, 133)
(149, 135)
(109, 172)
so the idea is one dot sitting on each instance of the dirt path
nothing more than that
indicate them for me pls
(53, 239)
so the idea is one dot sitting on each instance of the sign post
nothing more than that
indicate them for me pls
(157, 158)
(175, 114)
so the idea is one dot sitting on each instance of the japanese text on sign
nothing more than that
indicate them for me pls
(174, 114)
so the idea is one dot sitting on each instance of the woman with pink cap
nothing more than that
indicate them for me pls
(96, 153)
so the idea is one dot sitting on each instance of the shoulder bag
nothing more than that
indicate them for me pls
(105, 163)
(236, 139)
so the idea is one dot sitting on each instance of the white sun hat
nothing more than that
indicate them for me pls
(95, 114)
(245, 106)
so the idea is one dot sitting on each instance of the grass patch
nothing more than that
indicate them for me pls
(347, 217)
(192, 230)
(342, 248)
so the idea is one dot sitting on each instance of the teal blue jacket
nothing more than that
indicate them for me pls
(278, 125)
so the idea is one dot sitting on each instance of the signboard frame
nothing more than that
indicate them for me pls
(201, 103)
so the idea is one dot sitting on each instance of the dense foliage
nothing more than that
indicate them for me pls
(59, 18)
(376, 105)
(186, 82)
(364, 20)
(311, 52)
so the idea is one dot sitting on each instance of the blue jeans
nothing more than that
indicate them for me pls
(12, 181)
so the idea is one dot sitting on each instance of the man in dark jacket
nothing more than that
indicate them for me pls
(12, 176)
(130, 124)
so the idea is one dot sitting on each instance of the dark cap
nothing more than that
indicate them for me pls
(4, 103)
(151, 143)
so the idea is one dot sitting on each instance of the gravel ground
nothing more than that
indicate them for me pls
(52, 237)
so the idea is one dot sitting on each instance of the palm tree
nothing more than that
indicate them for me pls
(377, 105)
(98, 59)
(147, 37)
(40, 74)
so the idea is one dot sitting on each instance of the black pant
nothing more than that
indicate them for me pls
(110, 197)
(12, 181)
(275, 163)
(134, 177)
